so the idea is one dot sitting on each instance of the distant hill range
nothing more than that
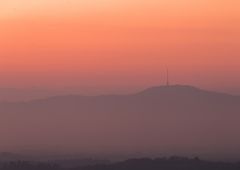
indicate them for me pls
(166, 119)
(24, 94)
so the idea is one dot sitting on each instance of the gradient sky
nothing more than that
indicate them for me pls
(119, 45)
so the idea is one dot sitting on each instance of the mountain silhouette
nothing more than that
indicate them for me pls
(166, 119)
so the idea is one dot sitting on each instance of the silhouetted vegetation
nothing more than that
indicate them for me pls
(24, 165)
(172, 163)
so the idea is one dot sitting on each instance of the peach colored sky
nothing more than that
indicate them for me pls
(119, 44)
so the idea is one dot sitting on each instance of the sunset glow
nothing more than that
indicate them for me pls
(119, 44)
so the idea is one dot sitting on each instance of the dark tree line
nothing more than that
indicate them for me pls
(25, 165)
(173, 163)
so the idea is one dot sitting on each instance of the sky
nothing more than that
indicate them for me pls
(119, 46)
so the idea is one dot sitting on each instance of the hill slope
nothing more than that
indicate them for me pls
(174, 119)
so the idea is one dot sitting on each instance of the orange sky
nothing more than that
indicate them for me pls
(106, 44)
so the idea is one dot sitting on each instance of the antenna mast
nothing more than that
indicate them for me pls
(168, 77)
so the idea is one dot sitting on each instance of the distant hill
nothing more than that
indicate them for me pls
(24, 94)
(166, 119)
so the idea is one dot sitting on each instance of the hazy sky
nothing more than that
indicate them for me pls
(119, 44)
